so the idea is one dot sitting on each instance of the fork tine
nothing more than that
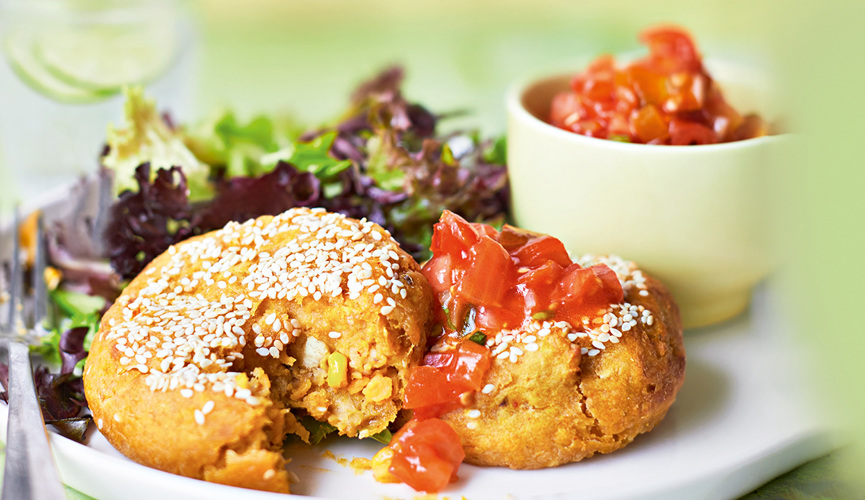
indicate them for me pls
(14, 275)
(40, 297)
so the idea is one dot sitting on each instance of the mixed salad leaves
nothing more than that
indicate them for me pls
(383, 160)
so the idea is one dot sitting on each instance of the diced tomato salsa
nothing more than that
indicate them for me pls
(434, 388)
(503, 279)
(667, 97)
(426, 454)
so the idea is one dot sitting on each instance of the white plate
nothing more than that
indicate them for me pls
(741, 419)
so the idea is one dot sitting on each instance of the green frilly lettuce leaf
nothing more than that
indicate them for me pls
(145, 136)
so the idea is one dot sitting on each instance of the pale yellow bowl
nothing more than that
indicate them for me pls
(694, 216)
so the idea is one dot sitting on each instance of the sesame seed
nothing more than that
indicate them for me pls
(99, 423)
(471, 424)
(532, 347)
(208, 407)
(474, 413)
(334, 335)
(489, 388)
(180, 331)
(199, 417)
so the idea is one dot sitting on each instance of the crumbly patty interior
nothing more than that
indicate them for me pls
(307, 310)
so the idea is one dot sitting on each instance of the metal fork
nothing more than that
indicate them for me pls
(30, 472)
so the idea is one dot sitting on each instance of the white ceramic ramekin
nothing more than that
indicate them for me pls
(694, 216)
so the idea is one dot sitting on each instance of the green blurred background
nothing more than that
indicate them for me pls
(303, 57)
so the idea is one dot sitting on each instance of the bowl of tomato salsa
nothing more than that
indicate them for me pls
(653, 177)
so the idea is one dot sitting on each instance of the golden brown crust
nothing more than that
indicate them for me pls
(555, 405)
(197, 364)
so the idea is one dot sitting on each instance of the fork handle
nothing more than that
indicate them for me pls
(30, 473)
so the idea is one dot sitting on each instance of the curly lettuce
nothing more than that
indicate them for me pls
(147, 137)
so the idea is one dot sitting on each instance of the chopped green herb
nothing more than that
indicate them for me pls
(542, 315)
(317, 430)
(383, 437)
(478, 338)
(620, 138)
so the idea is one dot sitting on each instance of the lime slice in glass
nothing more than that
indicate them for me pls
(21, 53)
(107, 57)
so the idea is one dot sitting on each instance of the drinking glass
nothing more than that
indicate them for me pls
(63, 68)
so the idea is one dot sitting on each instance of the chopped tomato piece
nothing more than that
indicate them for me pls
(444, 376)
(537, 284)
(684, 133)
(471, 364)
(426, 455)
(513, 237)
(752, 126)
(539, 251)
(565, 110)
(492, 319)
(486, 279)
(649, 85)
(439, 272)
(672, 45)
(429, 385)
(596, 287)
(649, 124)
(453, 235)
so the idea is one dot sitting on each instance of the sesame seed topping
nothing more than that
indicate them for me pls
(199, 417)
(334, 335)
(184, 338)
(474, 413)
(489, 388)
